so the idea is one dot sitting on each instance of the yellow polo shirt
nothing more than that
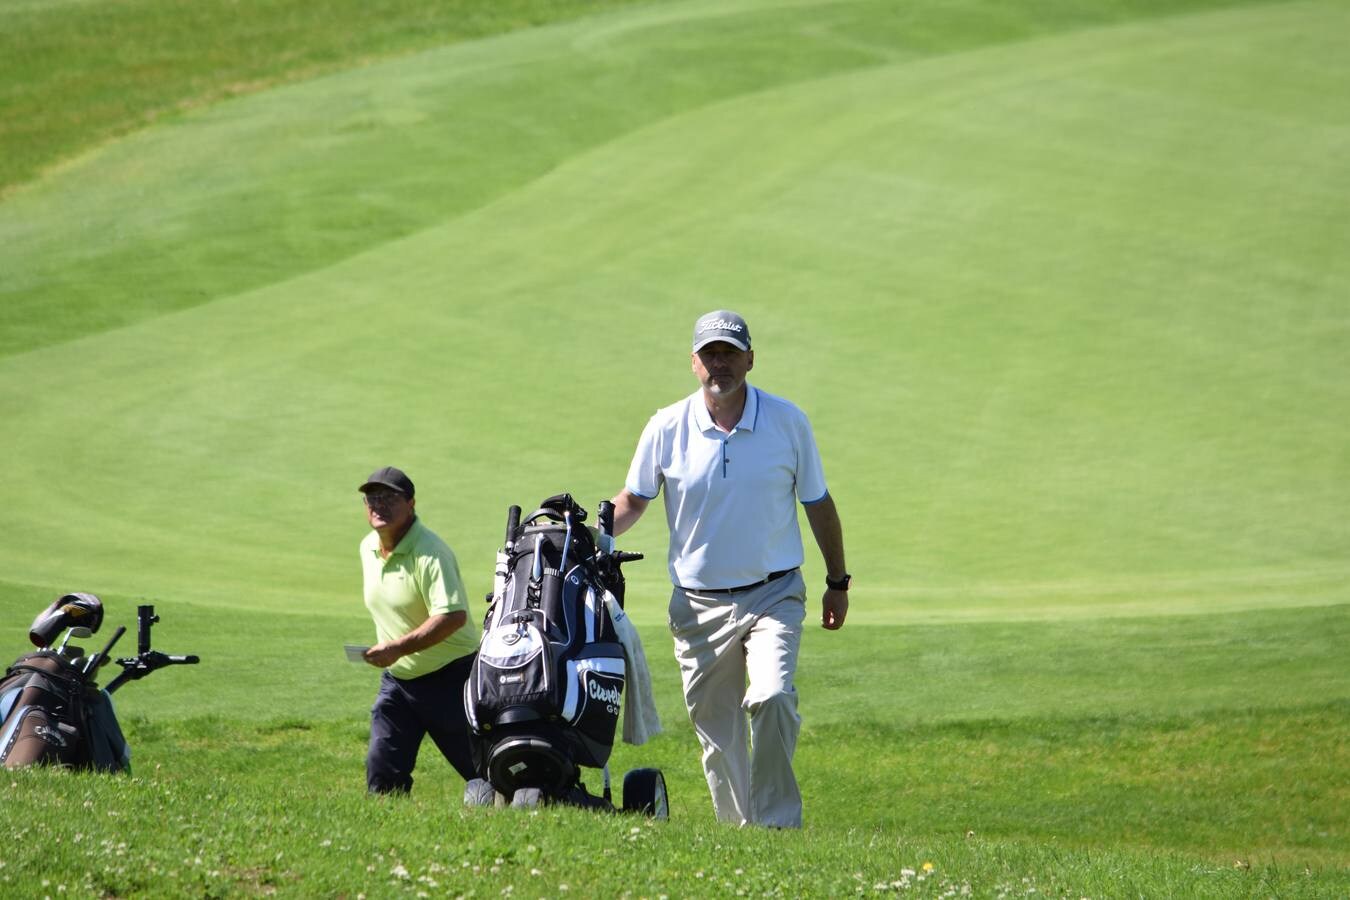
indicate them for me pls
(420, 579)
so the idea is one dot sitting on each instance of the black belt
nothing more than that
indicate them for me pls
(773, 576)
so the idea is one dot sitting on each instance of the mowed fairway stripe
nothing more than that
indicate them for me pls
(257, 191)
(1061, 311)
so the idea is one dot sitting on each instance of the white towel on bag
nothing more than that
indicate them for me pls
(640, 719)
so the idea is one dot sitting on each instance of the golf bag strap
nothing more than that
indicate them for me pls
(70, 682)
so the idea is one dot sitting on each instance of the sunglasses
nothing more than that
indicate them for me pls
(383, 499)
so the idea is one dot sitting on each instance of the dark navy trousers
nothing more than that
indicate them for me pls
(407, 710)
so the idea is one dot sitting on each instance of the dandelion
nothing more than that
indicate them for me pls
(927, 867)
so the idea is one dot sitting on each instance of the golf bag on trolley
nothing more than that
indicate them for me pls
(52, 712)
(545, 691)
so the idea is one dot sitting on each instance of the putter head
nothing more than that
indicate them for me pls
(67, 611)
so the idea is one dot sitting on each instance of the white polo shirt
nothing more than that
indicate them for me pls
(731, 499)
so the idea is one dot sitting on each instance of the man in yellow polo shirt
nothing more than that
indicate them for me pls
(425, 639)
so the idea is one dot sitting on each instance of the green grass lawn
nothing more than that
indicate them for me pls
(1061, 286)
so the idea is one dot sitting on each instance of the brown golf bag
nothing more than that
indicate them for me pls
(52, 714)
(52, 711)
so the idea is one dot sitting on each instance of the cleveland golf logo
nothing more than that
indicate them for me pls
(605, 694)
(720, 325)
(610, 696)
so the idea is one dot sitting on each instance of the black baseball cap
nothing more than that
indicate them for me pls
(721, 325)
(390, 477)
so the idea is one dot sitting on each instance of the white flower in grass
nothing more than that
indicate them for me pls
(400, 871)
(907, 873)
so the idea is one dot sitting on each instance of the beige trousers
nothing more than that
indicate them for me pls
(737, 655)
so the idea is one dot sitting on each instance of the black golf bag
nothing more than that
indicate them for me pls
(52, 711)
(545, 690)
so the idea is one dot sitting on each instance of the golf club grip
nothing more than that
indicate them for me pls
(512, 523)
(97, 659)
(624, 556)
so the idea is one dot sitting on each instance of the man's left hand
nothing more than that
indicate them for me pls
(833, 609)
(382, 656)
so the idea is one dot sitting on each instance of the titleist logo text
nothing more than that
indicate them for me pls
(719, 325)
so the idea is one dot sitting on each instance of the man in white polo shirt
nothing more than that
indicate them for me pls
(734, 462)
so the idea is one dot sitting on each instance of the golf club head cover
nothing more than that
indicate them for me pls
(65, 612)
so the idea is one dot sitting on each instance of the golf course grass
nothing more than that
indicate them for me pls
(1062, 287)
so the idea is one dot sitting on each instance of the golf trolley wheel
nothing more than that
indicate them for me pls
(480, 792)
(527, 798)
(644, 791)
